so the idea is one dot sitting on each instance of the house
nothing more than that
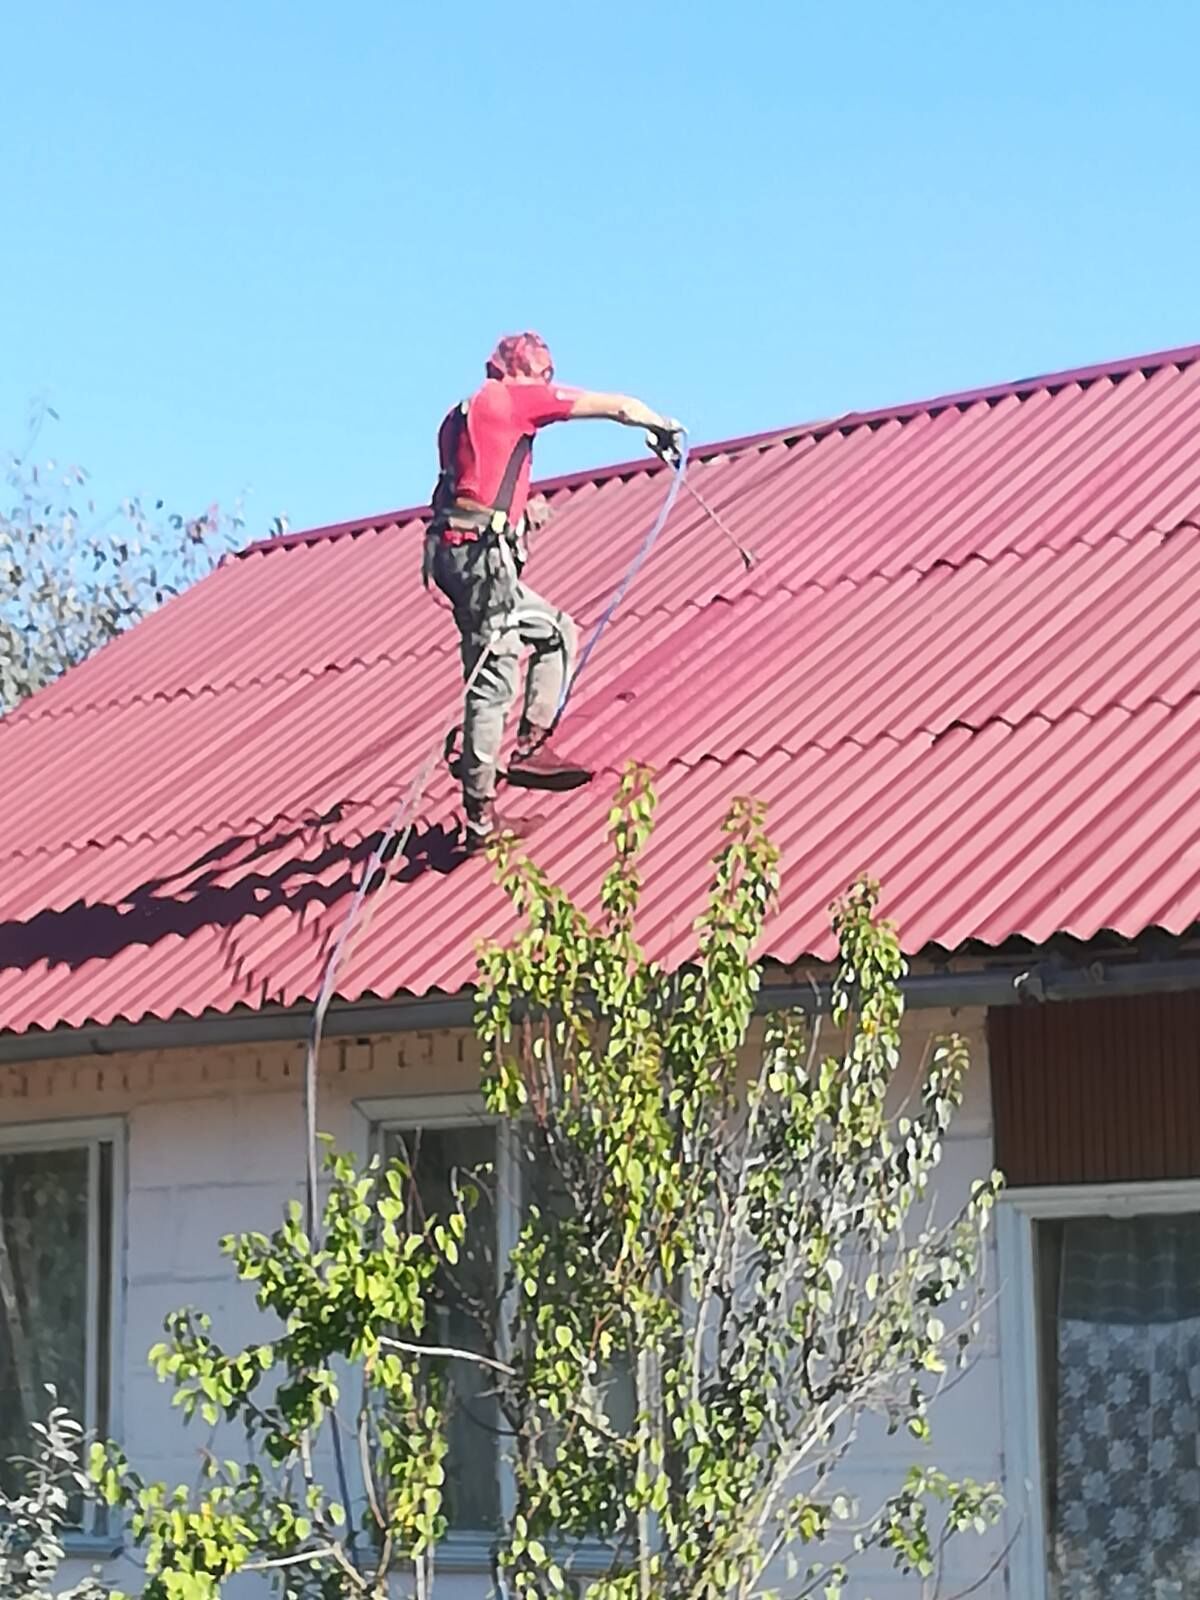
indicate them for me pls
(968, 661)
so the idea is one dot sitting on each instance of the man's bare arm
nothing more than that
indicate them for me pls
(625, 409)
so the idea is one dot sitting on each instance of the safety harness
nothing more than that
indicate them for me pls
(464, 523)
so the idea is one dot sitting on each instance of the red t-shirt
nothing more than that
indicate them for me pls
(499, 415)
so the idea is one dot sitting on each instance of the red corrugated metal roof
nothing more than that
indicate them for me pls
(967, 661)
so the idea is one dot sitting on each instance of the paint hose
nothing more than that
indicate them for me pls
(395, 836)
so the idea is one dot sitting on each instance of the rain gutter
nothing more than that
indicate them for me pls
(1034, 982)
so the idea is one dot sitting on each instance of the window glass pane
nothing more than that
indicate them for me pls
(1119, 1316)
(435, 1154)
(542, 1186)
(43, 1291)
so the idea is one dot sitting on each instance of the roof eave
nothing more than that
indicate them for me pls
(1039, 979)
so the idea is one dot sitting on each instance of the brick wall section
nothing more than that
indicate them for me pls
(215, 1143)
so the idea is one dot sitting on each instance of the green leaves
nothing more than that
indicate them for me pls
(358, 1294)
(38, 1510)
(726, 1265)
(741, 1222)
(192, 1547)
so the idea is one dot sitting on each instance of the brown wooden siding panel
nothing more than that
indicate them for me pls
(1097, 1091)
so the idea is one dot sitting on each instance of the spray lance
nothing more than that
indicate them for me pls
(666, 448)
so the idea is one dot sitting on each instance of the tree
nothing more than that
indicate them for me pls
(72, 577)
(734, 1229)
(35, 1517)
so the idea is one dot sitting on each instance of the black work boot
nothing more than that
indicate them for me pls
(485, 826)
(537, 765)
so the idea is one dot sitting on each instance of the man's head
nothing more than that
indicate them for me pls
(521, 355)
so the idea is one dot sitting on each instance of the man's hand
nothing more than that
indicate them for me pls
(538, 512)
(666, 439)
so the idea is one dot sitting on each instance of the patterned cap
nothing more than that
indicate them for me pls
(521, 355)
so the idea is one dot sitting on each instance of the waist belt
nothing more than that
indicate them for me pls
(464, 525)
(459, 526)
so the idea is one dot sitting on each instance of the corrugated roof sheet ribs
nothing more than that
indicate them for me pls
(967, 661)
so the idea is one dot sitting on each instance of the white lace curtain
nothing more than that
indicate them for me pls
(1125, 1409)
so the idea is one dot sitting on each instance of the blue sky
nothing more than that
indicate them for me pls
(256, 245)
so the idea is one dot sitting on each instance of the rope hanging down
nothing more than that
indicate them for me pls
(396, 834)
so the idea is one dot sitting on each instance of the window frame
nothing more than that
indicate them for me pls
(470, 1550)
(1017, 1215)
(463, 1549)
(101, 1532)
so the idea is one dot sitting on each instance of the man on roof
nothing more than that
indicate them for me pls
(475, 553)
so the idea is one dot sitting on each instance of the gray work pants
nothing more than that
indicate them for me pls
(480, 580)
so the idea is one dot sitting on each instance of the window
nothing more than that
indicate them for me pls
(1107, 1286)
(439, 1137)
(58, 1189)
(434, 1154)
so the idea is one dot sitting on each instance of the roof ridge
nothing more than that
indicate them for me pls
(1182, 355)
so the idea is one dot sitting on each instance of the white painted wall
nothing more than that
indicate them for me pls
(215, 1144)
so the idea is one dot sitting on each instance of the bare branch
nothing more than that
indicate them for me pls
(449, 1353)
(301, 1558)
(1002, 1557)
(368, 1474)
